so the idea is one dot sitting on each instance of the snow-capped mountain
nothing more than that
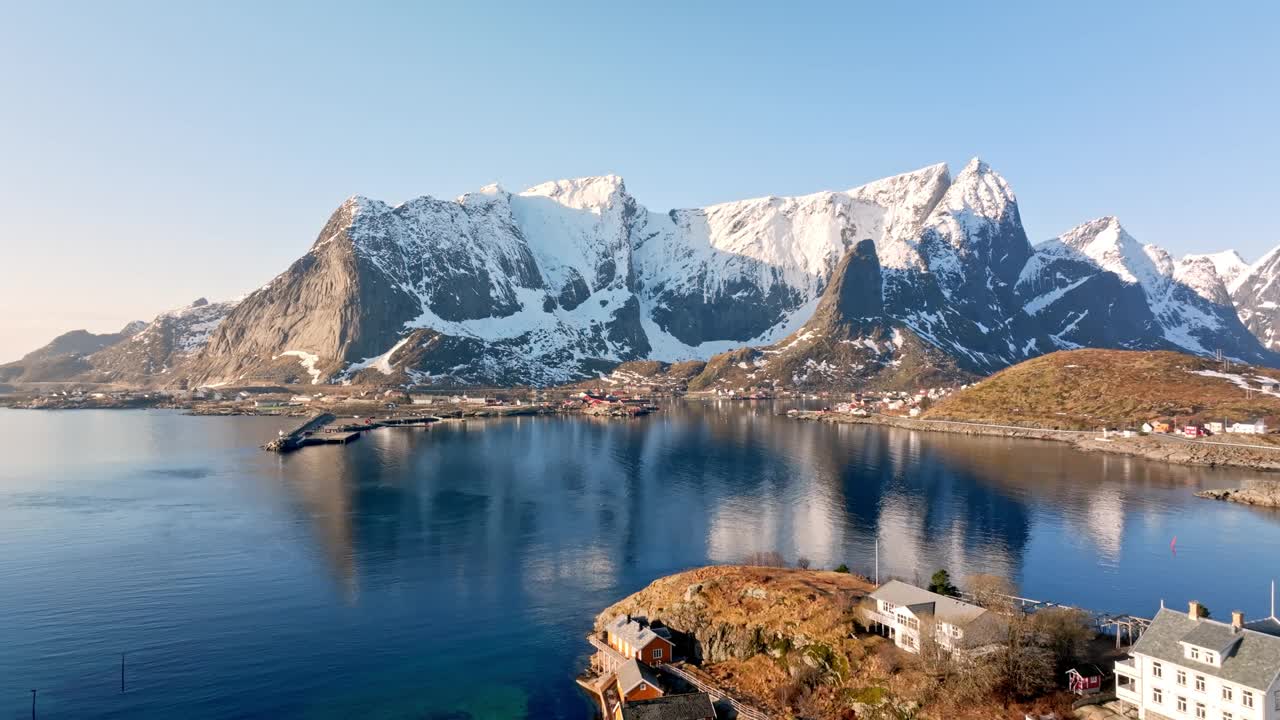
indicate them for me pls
(1256, 295)
(1097, 286)
(913, 276)
(571, 277)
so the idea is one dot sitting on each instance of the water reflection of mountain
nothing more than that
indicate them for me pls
(854, 485)
(549, 500)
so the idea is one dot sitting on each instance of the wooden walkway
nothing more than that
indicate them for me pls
(744, 711)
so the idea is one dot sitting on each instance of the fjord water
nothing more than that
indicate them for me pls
(453, 572)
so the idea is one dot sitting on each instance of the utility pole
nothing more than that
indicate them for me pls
(33, 705)
(878, 561)
(122, 672)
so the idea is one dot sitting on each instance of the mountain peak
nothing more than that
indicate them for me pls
(581, 193)
(975, 166)
(979, 190)
(1105, 231)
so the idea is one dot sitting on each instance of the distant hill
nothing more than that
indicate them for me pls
(65, 356)
(1086, 389)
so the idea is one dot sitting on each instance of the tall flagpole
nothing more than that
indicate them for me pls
(1273, 592)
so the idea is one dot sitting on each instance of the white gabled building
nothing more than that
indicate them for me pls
(1186, 666)
(910, 615)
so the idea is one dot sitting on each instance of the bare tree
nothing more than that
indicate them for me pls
(802, 562)
(990, 591)
(766, 558)
(1065, 632)
(1026, 663)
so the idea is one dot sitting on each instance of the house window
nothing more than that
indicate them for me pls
(1199, 683)
(1195, 653)
(1226, 715)
(1211, 658)
(1157, 696)
(1157, 670)
(657, 653)
(1246, 698)
(1200, 711)
(1227, 693)
(1182, 677)
(1182, 704)
(640, 686)
(887, 606)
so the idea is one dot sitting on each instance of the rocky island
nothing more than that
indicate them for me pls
(794, 643)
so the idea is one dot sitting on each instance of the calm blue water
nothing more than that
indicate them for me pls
(452, 572)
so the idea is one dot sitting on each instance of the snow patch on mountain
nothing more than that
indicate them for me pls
(308, 361)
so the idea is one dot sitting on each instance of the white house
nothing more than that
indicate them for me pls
(1257, 427)
(910, 615)
(1186, 666)
(1215, 428)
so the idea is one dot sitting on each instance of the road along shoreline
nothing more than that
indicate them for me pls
(1163, 448)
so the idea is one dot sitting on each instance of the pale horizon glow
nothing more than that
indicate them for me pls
(152, 154)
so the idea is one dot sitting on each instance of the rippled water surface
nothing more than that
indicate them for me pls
(452, 572)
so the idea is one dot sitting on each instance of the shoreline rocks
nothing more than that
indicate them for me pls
(1259, 495)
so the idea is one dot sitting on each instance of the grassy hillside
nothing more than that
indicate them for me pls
(1088, 389)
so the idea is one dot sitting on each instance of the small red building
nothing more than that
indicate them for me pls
(1085, 679)
(636, 638)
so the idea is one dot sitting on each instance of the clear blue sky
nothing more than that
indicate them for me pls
(151, 153)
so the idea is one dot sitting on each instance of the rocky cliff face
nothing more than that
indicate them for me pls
(850, 341)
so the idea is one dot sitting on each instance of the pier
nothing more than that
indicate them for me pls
(296, 437)
(320, 430)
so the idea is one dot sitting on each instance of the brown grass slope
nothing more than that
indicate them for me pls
(1088, 389)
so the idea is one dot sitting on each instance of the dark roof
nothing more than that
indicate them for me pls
(632, 672)
(1253, 661)
(692, 706)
